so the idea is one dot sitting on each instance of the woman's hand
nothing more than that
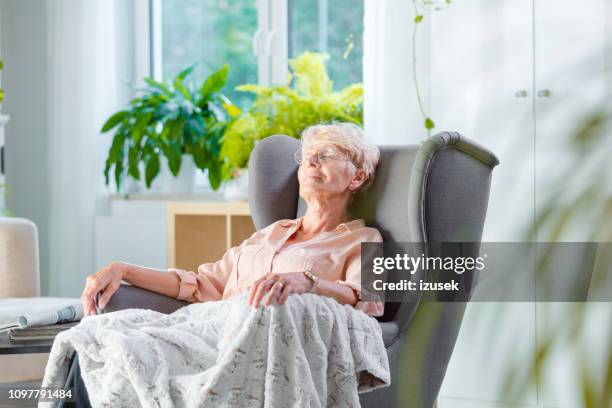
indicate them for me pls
(278, 286)
(107, 280)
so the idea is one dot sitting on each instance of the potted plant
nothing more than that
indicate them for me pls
(175, 120)
(306, 99)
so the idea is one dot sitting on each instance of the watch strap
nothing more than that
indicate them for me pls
(314, 279)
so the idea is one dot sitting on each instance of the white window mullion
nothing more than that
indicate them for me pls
(323, 23)
(142, 40)
(270, 41)
(279, 42)
(155, 35)
(260, 40)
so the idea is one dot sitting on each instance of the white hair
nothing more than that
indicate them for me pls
(350, 138)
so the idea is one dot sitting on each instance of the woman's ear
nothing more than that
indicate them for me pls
(358, 179)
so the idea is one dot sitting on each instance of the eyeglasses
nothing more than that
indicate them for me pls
(324, 155)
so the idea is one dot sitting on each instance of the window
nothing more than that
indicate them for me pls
(213, 32)
(210, 33)
(331, 26)
(255, 37)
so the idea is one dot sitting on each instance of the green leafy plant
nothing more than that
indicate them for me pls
(171, 119)
(306, 99)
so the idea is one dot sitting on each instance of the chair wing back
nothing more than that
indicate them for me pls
(433, 192)
(437, 191)
(274, 188)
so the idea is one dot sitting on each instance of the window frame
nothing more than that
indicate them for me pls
(269, 42)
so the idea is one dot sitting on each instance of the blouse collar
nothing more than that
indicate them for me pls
(347, 226)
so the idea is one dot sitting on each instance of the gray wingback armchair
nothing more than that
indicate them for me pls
(437, 191)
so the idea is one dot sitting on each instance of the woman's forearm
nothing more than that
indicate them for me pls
(342, 293)
(155, 280)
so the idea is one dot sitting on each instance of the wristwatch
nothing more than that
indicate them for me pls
(314, 279)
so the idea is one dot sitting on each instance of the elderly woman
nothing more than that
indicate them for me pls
(317, 253)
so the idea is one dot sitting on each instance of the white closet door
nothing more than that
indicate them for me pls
(571, 47)
(482, 76)
(482, 79)
(570, 76)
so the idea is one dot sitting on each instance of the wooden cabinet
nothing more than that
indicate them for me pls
(203, 231)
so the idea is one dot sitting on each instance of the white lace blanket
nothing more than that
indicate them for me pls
(310, 352)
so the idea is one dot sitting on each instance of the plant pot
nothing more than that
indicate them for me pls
(183, 183)
(237, 189)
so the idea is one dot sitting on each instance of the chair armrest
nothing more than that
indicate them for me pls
(390, 332)
(134, 297)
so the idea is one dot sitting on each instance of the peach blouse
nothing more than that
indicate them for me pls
(332, 255)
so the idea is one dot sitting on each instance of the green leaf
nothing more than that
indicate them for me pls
(133, 169)
(151, 169)
(176, 129)
(114, 120)
(118, 174)
(107, 167)
(214, 174)
(418, 18)
(158, 85)
(215, 82)
(232, 109)
(429, 124)
(184, 73)
(173, 153)
(115, 153)
(200, 155)
(196, 128)
(148, 149)
(178, 84)
(140, 126)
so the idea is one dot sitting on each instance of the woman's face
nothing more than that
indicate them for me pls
(327, 170)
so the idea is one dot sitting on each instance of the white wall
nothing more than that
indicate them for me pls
(23, 28)
(391, 112)
(69, 64)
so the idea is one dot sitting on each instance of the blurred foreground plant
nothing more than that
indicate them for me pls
(577, 203)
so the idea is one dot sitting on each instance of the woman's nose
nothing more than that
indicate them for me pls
(313, 160)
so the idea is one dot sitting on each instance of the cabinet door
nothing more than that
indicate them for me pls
(572, 43)
(482, 80)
